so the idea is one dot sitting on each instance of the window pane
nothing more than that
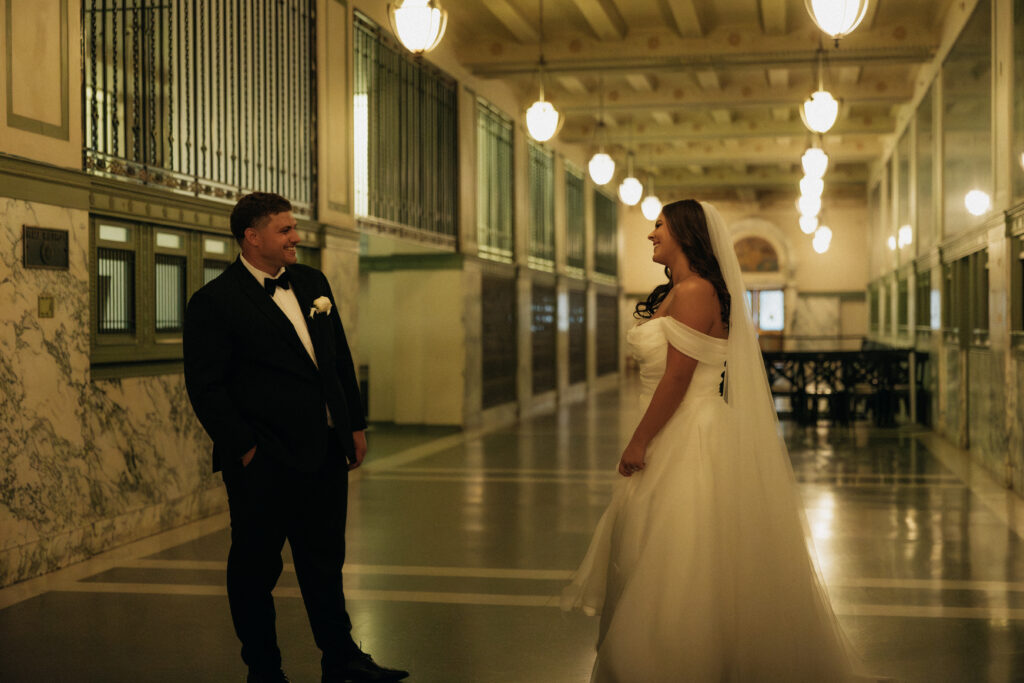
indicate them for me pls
(967, 134)
(113, 233)
(169, 240)
(1018, 99)
(212, 245)
(170, 293)
(115, 291)
(925, 140)
(770, 309)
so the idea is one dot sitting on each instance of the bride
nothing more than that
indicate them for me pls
(699, 567)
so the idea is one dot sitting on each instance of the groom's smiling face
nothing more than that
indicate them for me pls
(273, 242)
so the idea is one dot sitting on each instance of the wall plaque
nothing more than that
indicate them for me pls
(44, 248)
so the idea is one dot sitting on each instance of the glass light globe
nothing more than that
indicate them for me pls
(905, 236)
(630, 191)
(542, 120)
(820, 246)
(602, 168)
(419, 24)
(815, 162)
(823, 233)
(808, 224)
(837, 18)
(809, 206)
(820, 111)
(1022, 160)
(651, 207)
(811, 186)
(892, 243)
(977, 202)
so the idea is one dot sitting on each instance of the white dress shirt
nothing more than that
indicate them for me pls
(289, 305)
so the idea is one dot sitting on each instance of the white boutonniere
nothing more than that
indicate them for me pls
(321, 304)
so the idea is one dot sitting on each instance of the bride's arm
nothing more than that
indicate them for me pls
(693, 305)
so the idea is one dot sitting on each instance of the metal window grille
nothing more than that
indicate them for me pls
(542, 205)
(115, 289)
(577, 336)
(607, 334)
(923, 302)
(605, 227)
(576, 248)
(543, 335)
(494, 182)
(214, 98)
(212, 268)
(170, 292)
(406, 138)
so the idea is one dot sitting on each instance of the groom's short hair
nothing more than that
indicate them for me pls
(253, 208)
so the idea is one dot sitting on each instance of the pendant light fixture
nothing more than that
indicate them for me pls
(811, 186)
(837, 18)
(808, 224)
(542, 119)
(822, 239)
(814, 162)
(601, 166)
(630, 189)
(419, 24)
(651, 205)
(820, 110)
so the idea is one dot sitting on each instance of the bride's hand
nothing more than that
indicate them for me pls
(632, 460)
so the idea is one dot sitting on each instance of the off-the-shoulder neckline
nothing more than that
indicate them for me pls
(688, 328)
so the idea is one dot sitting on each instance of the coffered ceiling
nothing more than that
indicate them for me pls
(706, 93)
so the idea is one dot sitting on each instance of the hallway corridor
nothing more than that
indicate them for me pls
(459, 542)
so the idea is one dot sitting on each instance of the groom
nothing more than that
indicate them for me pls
(270, 376)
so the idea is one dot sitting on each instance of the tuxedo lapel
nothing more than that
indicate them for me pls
(305, 292)
(266, 306)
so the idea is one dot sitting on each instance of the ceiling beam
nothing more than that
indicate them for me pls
(773, 16)
(604, 18)
(641, 83)
(762, 97)
(878, 125)
(513, 20)
(685, 18)
(753, 49)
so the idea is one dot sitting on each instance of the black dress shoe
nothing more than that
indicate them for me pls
(360, 668)
(259, 675)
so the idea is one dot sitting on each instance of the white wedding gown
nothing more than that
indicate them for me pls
(699, 566)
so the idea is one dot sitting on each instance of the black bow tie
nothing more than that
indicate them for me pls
(282, 281)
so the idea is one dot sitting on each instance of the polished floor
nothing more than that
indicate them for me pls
(459, 542)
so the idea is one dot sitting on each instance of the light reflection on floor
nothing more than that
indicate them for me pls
(458, 543)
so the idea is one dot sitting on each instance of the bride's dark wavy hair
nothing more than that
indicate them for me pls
(689, 227)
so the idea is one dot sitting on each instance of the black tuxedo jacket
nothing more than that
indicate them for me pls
(251, 381)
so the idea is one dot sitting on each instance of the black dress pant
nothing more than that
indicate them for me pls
(270, 502)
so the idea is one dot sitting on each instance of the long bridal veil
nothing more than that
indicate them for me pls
(777, 612)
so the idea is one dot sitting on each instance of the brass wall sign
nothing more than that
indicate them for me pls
(44, 248)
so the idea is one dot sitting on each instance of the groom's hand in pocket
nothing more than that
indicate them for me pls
(359, 441)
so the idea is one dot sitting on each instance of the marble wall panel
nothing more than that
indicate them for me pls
(86, 465)
(985, 399)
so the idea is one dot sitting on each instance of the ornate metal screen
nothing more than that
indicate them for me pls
(215, 98)
(575, 221)
(498, 337)
(577, 335)
(406, 139)
(542, 206)
(494, 182)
